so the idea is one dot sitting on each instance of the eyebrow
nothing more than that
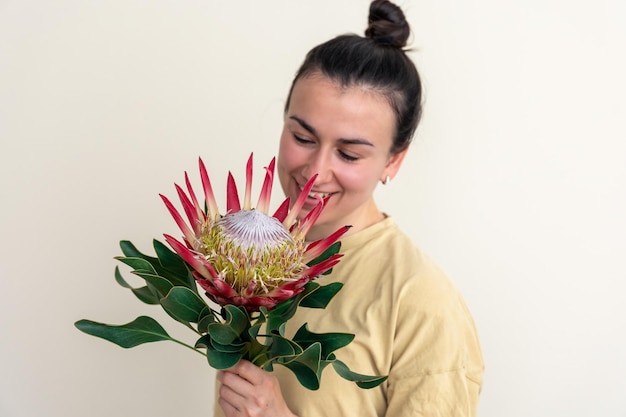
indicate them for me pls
(311, 129)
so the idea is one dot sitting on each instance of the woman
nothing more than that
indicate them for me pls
(350, 116)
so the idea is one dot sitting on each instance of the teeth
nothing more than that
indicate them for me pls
(316, 195)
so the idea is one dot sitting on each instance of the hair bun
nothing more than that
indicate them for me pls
(387, 24)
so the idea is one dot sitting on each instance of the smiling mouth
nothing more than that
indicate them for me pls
(316, 194)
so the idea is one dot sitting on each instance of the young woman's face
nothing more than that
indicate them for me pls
(343, 135)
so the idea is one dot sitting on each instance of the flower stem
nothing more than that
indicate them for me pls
(188, 346)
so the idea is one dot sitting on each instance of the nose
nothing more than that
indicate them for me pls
(320, 164)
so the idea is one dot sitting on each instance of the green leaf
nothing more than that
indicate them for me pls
(281, 313)
(129, 250)
(233, 348)
(285, 310)
(237, 321)
(183, 305)
(144, 294)
(137, 264)
(223, 360)
(139, 331)
(329, 342)
(170, 259)
(307, 378)
(282, 347)
(206, 317)
(253, 331)
(363, 381)
(222, 356)
(120, 279)
(222, 333)
(320, 297)
(160, 285)
(176, 280)
(306, 367)
(177, 276)
(204, 341)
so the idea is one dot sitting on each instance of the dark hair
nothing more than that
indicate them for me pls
(377, 61)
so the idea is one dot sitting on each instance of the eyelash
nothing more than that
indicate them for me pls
(342, 155)
(302, 140)
(347, 157)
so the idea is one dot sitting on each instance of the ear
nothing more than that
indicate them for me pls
(393, 164)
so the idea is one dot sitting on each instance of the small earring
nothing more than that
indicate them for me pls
(386, 180)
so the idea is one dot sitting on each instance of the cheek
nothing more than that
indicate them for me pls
(358, 180)
(290, 155)
(287, 160)
(283, 151)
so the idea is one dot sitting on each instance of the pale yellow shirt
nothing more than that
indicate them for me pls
(410, 323)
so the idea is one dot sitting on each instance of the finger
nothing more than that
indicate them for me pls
(229, 409)
(248, 371)
(232, 377)
(234, 387)
(231, 393)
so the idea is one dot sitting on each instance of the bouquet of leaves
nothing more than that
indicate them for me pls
(255, 269)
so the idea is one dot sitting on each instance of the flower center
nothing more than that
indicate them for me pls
(252, 252)
(254, 229)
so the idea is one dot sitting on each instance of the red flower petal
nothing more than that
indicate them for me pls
(199, 212)
(247, 199)
(295, 210)
(318, 247)
(187, 232)
(305, 225)
(282, 211)
(198, 263)
(266, 191)
(190, 210)
(232, 197)
(316, 270)
(209, 197)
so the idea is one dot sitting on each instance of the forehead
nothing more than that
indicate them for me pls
(356, 111)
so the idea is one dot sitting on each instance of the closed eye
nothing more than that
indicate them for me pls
(348, 157)
(302, 140)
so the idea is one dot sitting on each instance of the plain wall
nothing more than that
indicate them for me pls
(515, 185)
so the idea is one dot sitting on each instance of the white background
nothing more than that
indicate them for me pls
(516, 183)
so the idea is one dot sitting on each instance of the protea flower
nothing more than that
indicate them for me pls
(247, 257)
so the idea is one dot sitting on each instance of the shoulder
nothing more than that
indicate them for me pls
(384, 253)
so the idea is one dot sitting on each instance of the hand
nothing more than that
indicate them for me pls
(247, 390)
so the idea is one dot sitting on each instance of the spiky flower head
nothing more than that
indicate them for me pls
(247, 257)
